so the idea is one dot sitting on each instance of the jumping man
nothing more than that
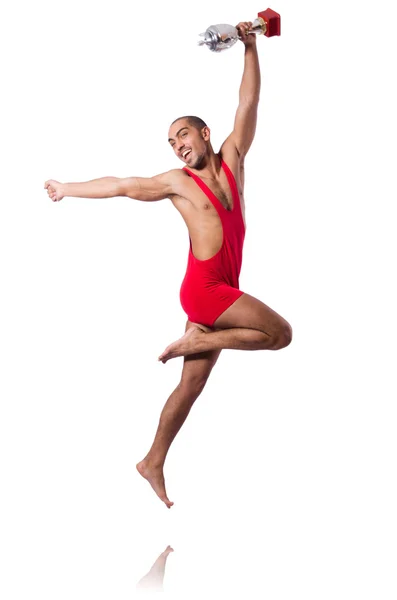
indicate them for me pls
(208, 193)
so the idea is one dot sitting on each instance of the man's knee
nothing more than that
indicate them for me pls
(193, 385)
(283, 337)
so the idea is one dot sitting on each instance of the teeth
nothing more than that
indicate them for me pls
(185, 153)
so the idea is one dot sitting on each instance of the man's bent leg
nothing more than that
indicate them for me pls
(248, 324)
(249, 313)
(196, 370)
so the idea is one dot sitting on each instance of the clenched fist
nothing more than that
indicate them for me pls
(248, 39)
(54, 190)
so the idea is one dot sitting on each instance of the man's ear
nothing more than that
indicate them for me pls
(206, 133)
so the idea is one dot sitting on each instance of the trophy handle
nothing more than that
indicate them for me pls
(267, 23)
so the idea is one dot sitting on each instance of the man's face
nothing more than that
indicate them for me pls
(187, 143)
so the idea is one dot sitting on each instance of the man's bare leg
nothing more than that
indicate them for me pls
(196, 370)
(248, 324)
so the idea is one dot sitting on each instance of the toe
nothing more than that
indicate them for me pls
(166, 501)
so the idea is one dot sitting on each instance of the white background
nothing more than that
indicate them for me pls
(283, 476)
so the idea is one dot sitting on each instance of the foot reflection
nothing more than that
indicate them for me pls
(153, 581)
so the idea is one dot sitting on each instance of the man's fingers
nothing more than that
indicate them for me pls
(51, 191)
(243, 28)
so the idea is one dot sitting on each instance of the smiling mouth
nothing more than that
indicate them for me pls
(186, 155)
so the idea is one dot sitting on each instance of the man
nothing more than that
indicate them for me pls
(208, 193)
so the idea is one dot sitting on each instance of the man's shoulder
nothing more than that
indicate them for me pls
(177, 180)
(177, 173)
(229, 149)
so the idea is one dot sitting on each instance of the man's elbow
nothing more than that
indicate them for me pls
(249, 100)
(125, 185)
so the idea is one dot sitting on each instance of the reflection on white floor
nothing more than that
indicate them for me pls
(153, 581)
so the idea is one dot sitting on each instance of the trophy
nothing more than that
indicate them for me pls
(221, 37)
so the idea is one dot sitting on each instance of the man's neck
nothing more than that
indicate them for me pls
(212, 167)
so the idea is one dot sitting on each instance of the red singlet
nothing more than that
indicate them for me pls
(211, 286)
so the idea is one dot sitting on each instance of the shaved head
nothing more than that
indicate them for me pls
(193, 121)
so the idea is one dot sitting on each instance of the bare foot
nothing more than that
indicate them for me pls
(187, 344)
(155, 477)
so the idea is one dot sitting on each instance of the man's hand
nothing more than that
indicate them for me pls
(54, 190)
(247, 39)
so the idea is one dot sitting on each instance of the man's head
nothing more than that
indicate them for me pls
(193, 135)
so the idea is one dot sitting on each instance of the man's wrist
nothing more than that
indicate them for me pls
(251, 45)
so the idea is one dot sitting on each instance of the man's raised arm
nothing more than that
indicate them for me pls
(140, 188)
(246, 115)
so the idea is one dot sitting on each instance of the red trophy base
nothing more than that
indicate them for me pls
(272, 20)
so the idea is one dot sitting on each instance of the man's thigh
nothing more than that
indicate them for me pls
(250, 313)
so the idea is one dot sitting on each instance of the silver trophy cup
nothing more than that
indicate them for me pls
(221, 37)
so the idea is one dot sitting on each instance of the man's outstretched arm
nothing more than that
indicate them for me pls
(140, 188)
(246, 115)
